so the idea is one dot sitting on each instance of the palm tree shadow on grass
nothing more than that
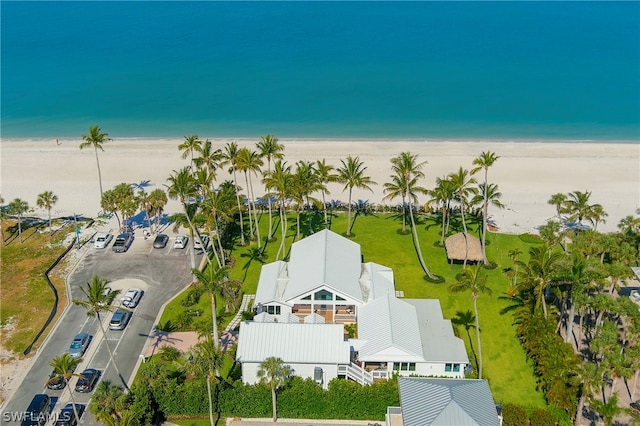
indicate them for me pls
(467, 320)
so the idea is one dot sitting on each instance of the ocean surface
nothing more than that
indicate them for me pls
(459, 70)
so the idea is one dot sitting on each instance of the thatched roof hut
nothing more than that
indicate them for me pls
(455, 246)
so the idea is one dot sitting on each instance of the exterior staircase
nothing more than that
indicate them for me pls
(244, 306)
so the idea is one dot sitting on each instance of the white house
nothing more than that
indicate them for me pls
(325, 284)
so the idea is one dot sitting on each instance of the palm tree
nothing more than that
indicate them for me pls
(487, 195)
(590, 377)
(183, 187)
(47, 200)
(95, 138)
(514, 255)
(472, 280)
(443, 194)
(157, 200)
(190, 145)
(484, 161)
(466, 319)
(18, 207)
(104, 401)
(537, 274)
(96, 303)
(206, 358)
(249, 162)
(231, 158)
(578, 207)
(462, 182)
(558, 201)
(217, 206)
(351, 174)
(324, 175)
(270, 149)
(607, 410)
(212, 280)
(274, 374)
(304, 183)
(65, 365)
(208, 157)
(279, 181)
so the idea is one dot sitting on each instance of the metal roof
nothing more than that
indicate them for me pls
(378, 280)
(293, 343)
(324, 258)
(314, 318)
(268, 282)
(390, 327)
(439, 343)
(446, 402)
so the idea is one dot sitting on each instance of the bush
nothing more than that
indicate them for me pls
(514, 415)
(541, 417)
(192, 298)
(530, 239)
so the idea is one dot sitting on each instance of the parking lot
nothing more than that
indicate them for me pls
(160, 273)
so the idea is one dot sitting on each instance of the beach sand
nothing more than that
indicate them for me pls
(527, 173)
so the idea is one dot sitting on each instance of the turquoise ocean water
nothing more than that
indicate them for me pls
(458, 70)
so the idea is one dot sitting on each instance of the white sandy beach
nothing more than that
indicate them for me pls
(527, 173)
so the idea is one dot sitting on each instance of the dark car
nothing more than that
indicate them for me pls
(120, 319)
(88, 380)
(635, 405)
(122, 243)
(67, 417)
(56, 381)
(79, 345)
(37, 412)
(161, 241)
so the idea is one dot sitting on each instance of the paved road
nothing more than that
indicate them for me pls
(161, 273)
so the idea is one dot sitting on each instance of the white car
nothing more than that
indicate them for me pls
(205, 242)
(635, 296)
(132, 297)
(181, 242)
(102, 240)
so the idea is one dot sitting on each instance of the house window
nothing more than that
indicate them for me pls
(306, 298)
(452, 367)
(404, 366)
(273, 310)
(323, 295)
(340, 298)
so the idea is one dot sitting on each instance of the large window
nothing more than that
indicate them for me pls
(452, 368)
(404, 366)
(323, 295)
(273, 310)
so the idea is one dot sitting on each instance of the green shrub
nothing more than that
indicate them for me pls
(514, 415)
(540, 417)
(530, 239)
(192, 298)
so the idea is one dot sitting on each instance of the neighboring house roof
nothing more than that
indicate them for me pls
(324, 258)
(439, 343)
(293, 343)
(456, 247)
(446, 402)
(390, 328)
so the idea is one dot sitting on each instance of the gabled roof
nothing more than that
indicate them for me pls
(324, 258)
(446, 402)
(376, 280)
(268, 282)
(390, 328)
(314, 318)
(293, 343)
(439, 343)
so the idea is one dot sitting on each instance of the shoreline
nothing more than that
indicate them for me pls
(527, 173)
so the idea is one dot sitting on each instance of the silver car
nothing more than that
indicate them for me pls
(181, 242)
(79, 345)
(132, 297)
(102, 240)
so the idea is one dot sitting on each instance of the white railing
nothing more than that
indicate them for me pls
(344, 318)
(356, 373)
(380, 374)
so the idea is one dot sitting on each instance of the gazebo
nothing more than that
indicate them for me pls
(455, 246)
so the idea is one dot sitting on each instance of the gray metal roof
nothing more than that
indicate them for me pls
(446, 402)
(378, 280)
(294, 343)
(390, 327)
(439, 343)
(268, 282)
(324, 258)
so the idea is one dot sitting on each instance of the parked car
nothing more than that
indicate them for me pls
(122, 242)
(38, 410)
(204, 245)
(635, 405)
(161, 241)
(119, 319)
(635, 296)
(56, 381)
(79, 345)
(102, 240)
(132, 298)
(88, 380)
(107, 296)
(67, 417)
(181, 242)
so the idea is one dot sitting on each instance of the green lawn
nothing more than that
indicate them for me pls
(505, 365)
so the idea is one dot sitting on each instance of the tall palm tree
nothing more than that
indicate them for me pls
(274, 373)
(157, 200)
(95, 304)
(183, 187)
(538, 273)
(231, 158)
(488, 195)
(558, 201)
(514, 255)
(304, 183)
(485, 160)
(443, 194)
(271, 149)
(104, 401)
(324, 175)
(590, 377)
(46, 200)
(578, 207)
(65, 365)
(212, 280)
(249, 163)
(472, 280)
(351, 174)
(190, 145)
(217, 206)
(206, 358)
(208, 157)
(462, 181)
(279, 182)
(19, 207)
(95, 138)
